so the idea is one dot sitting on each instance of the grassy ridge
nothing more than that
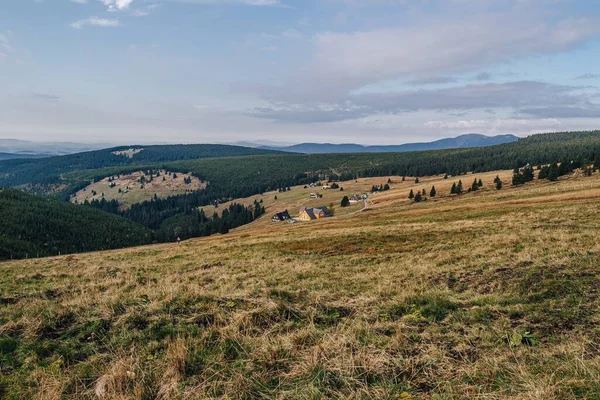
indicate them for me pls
(491, 294)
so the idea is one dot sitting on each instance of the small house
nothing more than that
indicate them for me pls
(355, 199)
(314, 196)
(309, 214)
(281, 216)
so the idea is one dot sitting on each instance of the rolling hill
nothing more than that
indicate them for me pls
(463, 141)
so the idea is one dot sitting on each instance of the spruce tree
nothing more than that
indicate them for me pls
(424, 192)
(432, 192)
(411, 195)
(474, 186)
(480, 183)
(418, 198)
(345, 201)
(453, 189)
(417, 180)
(459, 187)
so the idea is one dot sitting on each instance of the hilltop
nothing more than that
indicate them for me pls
(487, 294)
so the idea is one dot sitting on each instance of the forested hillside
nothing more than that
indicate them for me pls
(34, 226)
(49, 170)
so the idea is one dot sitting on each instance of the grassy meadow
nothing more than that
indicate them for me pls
(128, 190)
(489, 295)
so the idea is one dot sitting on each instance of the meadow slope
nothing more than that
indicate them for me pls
(492, 295)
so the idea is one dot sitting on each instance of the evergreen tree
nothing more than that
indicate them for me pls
(480, 183)
(418, 197)
(553, 172)
(453, 189)
(386, 187)
(445, 176)
(411, 195)
(432, 192)
(417, 180)
(498, 182)
(459, 187)
(403, 178)
(345, 201)
(424, 192)
(474, 186)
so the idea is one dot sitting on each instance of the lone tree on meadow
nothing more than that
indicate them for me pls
(459, 187)
(480, 183)
(345, 201)
(453, 188)
(474, 186)
(417, 179)
(411, 195)
(432, 192)
(418, 197)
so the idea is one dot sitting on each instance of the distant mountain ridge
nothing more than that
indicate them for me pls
(462, 141)
(24, 149)
(11, 156)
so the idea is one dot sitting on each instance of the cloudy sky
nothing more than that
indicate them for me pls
(366, 71)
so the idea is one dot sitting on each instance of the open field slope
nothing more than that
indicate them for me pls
(493, 294)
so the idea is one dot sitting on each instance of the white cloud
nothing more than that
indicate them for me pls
(117, 5)
(6, 47)
(79, 1)
(422, 50)
(497, 125)
(96, 21)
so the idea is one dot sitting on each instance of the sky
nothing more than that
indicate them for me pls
(291, 71)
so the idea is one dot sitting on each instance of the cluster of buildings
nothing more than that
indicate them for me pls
(314, 213)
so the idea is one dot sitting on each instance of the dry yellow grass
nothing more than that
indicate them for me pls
(133, 191)
(490, 295)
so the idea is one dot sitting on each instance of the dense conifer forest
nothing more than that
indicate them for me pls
(49, 170)
(34, 226)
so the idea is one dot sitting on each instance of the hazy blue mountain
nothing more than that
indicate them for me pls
(463, 141)
(25, 148)
(12, 156)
